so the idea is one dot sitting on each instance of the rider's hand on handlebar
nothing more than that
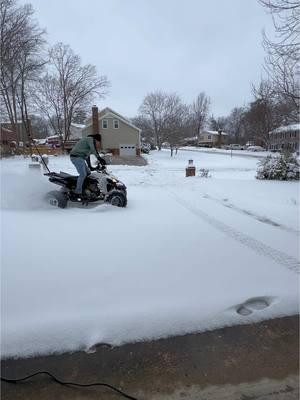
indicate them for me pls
(102, 161)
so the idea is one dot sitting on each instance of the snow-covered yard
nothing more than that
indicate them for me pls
(187, 254)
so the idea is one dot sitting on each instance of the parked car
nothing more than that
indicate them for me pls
(145, 148)
(237, 147)
(256, 148)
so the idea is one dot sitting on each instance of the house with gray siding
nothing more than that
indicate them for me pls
(285, 137)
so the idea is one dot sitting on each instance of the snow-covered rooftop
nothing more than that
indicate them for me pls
(287, 128)
(80, 126)
(215, 133)
(53, 137)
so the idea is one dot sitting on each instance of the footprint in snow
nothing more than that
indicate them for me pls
(253, 304)
(95, 347)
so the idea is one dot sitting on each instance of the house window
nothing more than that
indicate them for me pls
(104, 124)
(116, 124)
(208, 136)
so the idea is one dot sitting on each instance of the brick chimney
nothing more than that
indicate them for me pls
(95, 120)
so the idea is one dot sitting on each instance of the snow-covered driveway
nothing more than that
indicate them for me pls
(187, 254)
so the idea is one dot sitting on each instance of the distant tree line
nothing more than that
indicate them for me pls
(275, 98)
(47, 86)
(51, 88)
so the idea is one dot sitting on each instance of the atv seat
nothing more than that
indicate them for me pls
(62, 175)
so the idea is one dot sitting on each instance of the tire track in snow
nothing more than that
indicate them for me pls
(258, 247)
(248, 213)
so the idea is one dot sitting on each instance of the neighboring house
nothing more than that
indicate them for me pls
(285, 137)
(53, 140)
(119, 136)
(22, 134)
(7, 136)
(40, 141)
(7, 141)
(190, 141)
(211, 138)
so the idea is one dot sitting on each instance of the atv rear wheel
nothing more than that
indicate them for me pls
(117, 198)
(57, 199)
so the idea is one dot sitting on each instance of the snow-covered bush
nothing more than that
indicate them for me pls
(284, 167)
(204, 173)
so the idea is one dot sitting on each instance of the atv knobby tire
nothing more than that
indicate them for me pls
(117, 198)
(57, 199)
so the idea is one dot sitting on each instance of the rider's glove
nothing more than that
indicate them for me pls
(102, 161)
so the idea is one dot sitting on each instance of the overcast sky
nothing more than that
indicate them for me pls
(171, 45)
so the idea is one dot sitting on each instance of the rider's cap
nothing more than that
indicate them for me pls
(97, 137)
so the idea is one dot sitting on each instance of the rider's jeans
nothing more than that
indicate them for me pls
(82, 170)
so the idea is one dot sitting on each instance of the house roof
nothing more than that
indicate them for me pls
(287, 128)
(80, 126)
(215, 133)
(105, 112)
(53, 137)
(190, 138)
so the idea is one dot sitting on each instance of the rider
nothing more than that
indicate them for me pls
(80, 157)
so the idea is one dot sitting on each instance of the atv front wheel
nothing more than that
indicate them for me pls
(117, 198)
(57, 199)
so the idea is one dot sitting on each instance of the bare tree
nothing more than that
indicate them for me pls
(176, 113)
(217, 124)
(259, 119)
(164, 113)
(283, 53)
(153, 109)
(80, 115)
(144, 124)
(67, 88)
(40, 126)
(21, 44)
(49, 103)
(199, 113)
(234, 124)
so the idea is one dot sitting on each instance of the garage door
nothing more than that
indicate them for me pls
(127, 150)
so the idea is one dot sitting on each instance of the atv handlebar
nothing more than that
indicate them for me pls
(100, 168)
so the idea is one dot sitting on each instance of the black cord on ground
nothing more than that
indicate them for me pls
(69, 383)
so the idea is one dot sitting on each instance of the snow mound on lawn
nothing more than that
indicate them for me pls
(25, 191)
